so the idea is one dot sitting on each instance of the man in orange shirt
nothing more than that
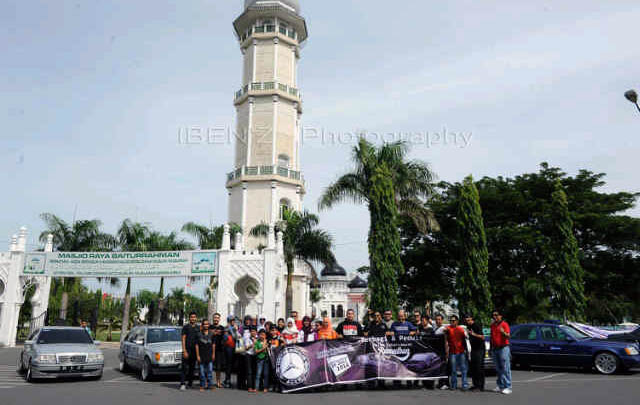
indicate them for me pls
(457, 343)
(500, 335)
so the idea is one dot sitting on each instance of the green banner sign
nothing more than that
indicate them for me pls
(122, 264)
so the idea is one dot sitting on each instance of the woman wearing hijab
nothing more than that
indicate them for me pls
(308, 333)
(326, 332)
(290, 332)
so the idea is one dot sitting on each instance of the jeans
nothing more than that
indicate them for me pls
(502, 358)
(458, 361)
(188, 367)
(262, 372)
(206, 375)
(477, 367)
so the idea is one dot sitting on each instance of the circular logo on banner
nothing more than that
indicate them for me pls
(292, 366)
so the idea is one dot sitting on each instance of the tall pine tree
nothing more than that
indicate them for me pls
(472, 283)
(562, 263)
(384, 242)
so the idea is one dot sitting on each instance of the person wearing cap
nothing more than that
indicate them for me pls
(500, 335)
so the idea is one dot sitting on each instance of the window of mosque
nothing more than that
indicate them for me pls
(283, 161)
(340, 312)
(333, 311)
(284, 205)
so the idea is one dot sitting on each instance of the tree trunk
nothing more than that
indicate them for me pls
(289, 290)
(157, 316)
(64, 304)
(125, 314)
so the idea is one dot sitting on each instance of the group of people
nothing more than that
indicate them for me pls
(216, 348)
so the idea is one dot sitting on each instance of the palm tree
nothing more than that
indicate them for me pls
(412, 181)
(81, 236)
(391, 186)
(132, 237)
(157, 241)
(210, 238)
(301, 240)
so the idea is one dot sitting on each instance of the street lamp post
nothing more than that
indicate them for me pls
(632, 96)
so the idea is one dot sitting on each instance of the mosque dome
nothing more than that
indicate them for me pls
(295, 4)
(357, 282)
(334, 270)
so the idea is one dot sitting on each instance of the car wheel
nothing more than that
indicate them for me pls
(123, 366)
(29, 376)
(606, 363)
(146, 372)
(20, 366)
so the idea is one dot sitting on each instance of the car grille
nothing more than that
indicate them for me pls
(72, 358)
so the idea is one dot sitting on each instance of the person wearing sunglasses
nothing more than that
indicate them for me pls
(500, 335)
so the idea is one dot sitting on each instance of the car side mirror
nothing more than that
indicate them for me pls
(140, 342)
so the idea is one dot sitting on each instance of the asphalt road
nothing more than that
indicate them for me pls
(545, 387)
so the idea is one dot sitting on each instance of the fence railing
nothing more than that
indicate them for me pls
(268, 86)
(248, 171)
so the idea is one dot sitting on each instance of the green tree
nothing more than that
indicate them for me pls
(384, 243)
(472, 284)
(301, 240)
(563, 269)
(133, 237)
(407, 184)
(80, 236)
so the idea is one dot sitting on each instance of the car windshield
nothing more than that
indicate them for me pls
(61, 336)
(574, 333)
(159, 335)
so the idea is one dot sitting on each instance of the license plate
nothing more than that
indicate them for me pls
(71, 369)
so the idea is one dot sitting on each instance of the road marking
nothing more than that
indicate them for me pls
(546, 377)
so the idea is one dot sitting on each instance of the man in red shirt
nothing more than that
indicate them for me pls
(298, 322)
(457, 346)
(500, 335)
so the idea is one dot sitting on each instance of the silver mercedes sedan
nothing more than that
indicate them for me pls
(60, 352)
(152, 350)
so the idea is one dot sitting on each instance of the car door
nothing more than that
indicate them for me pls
(557, 350)
(27, 349)
(132, 348)
(525, 345)
(138, 346)
(126, 348)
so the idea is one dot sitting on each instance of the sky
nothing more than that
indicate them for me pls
(93, 96)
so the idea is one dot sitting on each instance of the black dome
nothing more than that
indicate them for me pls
(357, 282)
(333, 270)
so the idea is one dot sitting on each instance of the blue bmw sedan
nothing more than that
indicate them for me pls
(555, 345)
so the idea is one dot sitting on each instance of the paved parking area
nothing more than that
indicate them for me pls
(545, 387)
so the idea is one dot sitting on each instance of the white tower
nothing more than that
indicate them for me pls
(266, 172)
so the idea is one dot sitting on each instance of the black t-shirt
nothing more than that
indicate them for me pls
(191, 332)
(205, 347)
(476, 343)
(425, 331)
(349, 329)
(218, 332)
(377, 329)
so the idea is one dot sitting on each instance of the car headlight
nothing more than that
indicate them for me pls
(47, 359)
(165, 358)
(631, 351)
(95, 358)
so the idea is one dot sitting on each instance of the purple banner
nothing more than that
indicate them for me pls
(330, 362)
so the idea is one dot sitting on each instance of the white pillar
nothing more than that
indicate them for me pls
(244, 207)
(239, 245)
(280, 242)
(226, 238)
(250, 125)
(274, 203)
(271, 242)
(13, 297)
(224, 284)
(41, 304)
(274, 127)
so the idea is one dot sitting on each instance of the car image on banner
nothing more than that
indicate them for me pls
(329, 362)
